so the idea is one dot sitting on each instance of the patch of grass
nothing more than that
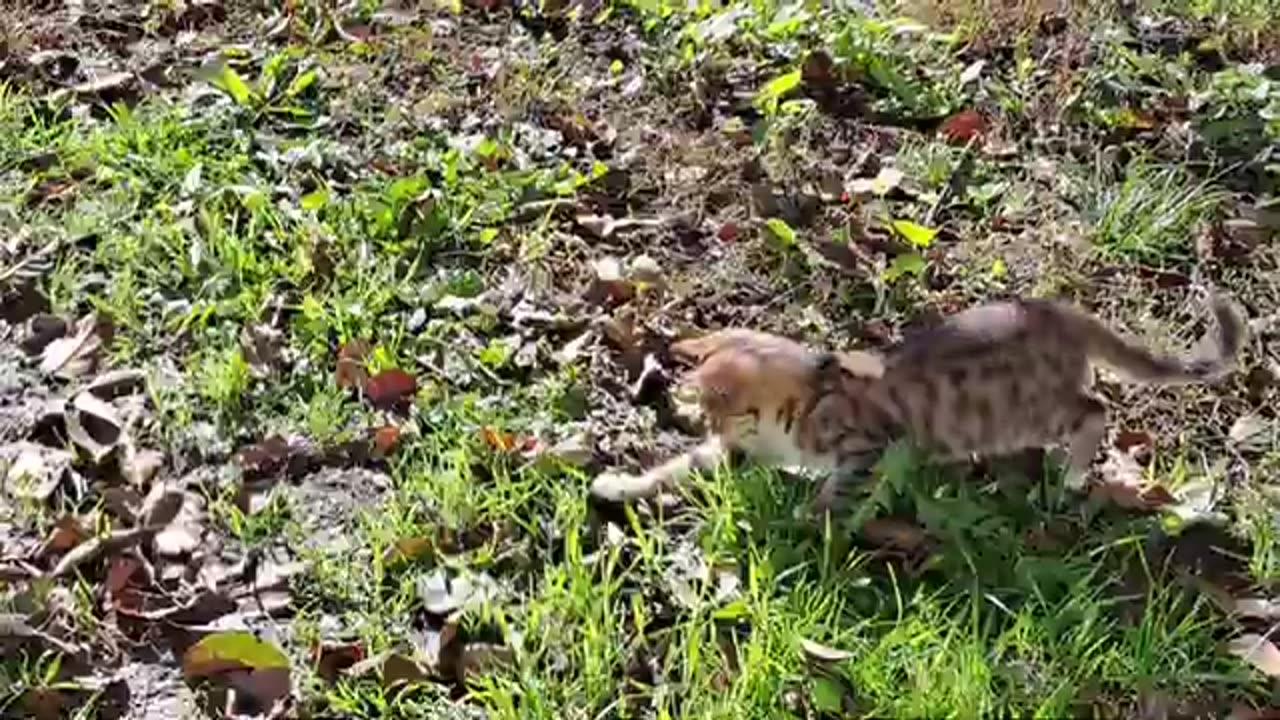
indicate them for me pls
(1152, 215)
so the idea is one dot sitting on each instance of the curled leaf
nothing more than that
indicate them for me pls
(823, 653)
(1258, 651)
(94, 425)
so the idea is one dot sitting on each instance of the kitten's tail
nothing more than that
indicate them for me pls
(1140, 364)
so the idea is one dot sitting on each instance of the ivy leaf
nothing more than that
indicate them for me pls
(776, 88)
(780, 231)
(315, 199)
(827, 696)
(230, 82)
(917, 235)
(905, 264)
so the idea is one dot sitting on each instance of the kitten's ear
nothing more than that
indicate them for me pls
(861, 364)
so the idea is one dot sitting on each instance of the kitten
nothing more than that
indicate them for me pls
(990, 380)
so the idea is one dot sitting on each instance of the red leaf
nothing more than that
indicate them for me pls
(67, 533)
(963, 126)
(351, 372)
(385, 439)
(1134, 441)
(390, 389)
(728, 232)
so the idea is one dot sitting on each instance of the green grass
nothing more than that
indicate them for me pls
(381, 210)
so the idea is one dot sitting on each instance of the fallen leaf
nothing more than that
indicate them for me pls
(385, 440)
(92, 548)
(275, 456)
(963, 126)
(70, 357)
(67, 533)
(823, 653)
(728, 232)
(885, 181)
(251, 665)
(1122, 484)
(1258, 651)
(115, 383)
(94, 425)
(576, 450)
(14, 626)
(34, 471)
(391, 389)
(1134, 441)
(643, 269)
(972, 72)
(609, 286)
(332, 659)
(160, 507)
(231, 650)
(351, 372)
(140, 466)
(262, 347)
(918, 235)
(119, 576)
(1250, 432)
(442, 596)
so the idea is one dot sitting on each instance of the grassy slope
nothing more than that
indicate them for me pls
(189, 218)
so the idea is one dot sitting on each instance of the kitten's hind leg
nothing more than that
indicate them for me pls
(617, 487)
(1087, 433)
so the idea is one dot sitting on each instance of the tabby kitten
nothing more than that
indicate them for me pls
(990, 380)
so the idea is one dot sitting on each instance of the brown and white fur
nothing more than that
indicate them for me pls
(991, 380)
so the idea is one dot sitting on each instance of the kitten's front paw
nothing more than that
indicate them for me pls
(616, 487)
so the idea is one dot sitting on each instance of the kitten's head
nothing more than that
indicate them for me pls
(744, 376)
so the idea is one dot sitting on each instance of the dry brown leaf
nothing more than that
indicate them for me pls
(70, 357)
(140, 466)
(385, 440)
(160, 507)
(262, 346)
(92, 548)
(350, 372)
(114, 383)
(94, 425)
(33, 471)
(1258, 651)
(1122, 484)
(67, 533)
